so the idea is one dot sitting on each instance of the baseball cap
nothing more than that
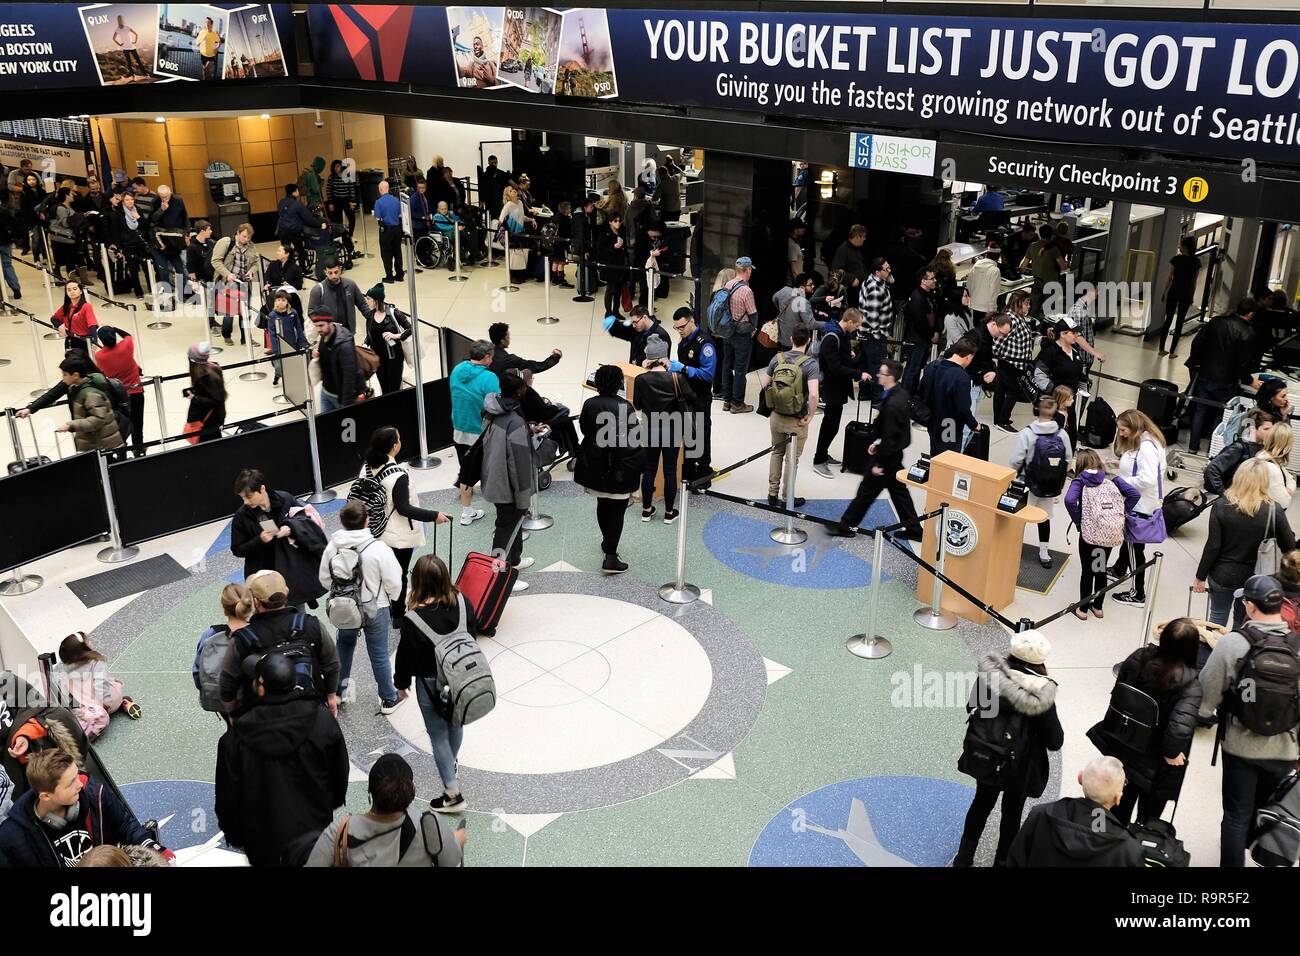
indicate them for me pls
(268, 587)
(1262, 590)
(1064, 323)
(744, 262)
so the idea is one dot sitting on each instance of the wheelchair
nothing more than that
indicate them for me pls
(433, 249)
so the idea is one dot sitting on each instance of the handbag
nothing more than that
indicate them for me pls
(367, 360)
(1269, 556)
(1146, 529)
(627, 301)
(1025, 385)
(770, 334)
(192, 429)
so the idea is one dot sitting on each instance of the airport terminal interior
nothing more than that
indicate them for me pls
(707, 707)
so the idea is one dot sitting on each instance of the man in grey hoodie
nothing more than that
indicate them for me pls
(1253, 763)
(793, 307)
(509, 473)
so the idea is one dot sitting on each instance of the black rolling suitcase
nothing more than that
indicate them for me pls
(978, 446)
(858, 437)
(1158, 400)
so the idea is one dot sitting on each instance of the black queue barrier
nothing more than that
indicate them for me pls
(192, 485)
(457, 348)
(50, 508)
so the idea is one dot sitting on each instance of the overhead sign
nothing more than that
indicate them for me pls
(1214, 89)
(57, 46)
(1154, 182)
(895, 154)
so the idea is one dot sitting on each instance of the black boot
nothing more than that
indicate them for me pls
(613, 565)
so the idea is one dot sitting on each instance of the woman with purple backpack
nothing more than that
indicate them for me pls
(1097, 504)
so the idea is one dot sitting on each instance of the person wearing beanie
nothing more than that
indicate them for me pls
(1012, 696)
(662, 396)
(206, 394)
(387, 327)
(116, 359)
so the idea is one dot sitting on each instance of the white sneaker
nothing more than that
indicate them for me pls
(525, 563)
(520, 586)
(470, 515)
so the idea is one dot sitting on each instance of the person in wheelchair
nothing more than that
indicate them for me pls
(448, 224)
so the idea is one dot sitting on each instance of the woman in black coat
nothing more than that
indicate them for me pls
(1017, 688)
(612, 257)
(1062, 364)
(1167, 673)
(609, 461)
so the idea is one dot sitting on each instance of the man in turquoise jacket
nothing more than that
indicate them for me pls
(471, 382)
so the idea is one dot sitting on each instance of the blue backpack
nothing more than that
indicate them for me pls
(719, 314)
(1045, 470)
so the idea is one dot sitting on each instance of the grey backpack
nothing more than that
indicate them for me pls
(465, 688)
(345, 607)
(211, 657)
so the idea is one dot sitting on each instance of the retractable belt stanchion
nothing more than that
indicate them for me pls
(546, 318)
(18, 583)
(536, 521)
(20, 457)
(162, 412)
(651, 280)
(253, 374)
(108, 271)
(509, 286)
(45, 279)
(455, 234)
(115, 553)
(135, 329)
(867, 644)
(678, 591)
(322, 494)
(157, 324)
(1149, 610)
(39, 352)
(487, 224)
(425, 461)
(789, 534)
(934, 617)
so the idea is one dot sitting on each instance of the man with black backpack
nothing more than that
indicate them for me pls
(1220, 469)
(1255, 673)
(276, 625)
(790, 387)
(1042, 456)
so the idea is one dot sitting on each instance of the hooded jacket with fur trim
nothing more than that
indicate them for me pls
(1008, 681)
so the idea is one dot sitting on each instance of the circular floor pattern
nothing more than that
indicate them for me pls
(582, 682)
(602, 699)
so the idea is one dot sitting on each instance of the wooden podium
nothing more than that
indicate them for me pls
(983, 543)
(630, 372)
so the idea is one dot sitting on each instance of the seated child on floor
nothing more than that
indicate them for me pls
(83, 673)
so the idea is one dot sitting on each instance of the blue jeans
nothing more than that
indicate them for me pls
(873, 352)
(976, 396)
(735, 366)
(328, 402)
(1204, 417)
(1221, 600)
(443, 737)
(1247, 785)
(169, 273)
(918, 354)
(7, 261)
(376, 631)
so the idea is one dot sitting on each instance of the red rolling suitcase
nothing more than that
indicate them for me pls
(486, 583)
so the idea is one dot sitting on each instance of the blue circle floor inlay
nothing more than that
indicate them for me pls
(871, 821)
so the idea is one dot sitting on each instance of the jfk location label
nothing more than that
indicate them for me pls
(895, 154)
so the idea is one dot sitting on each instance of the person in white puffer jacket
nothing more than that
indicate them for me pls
(381, 583)
(1141, 448)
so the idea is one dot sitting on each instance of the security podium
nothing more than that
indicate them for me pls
(983, 544)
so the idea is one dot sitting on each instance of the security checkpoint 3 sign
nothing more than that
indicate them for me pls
(895, 154)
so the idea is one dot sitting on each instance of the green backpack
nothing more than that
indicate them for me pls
(787, 392)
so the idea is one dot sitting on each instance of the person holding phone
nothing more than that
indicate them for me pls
(259, 521)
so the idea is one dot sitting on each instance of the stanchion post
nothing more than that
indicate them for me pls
(535, 520)
(651, 280)
(547, 318)
(678, 591)
(18, 583)
(487, 222)
(162, 412)
(1150, 609)
(252, 374)
(934, 617)
(789, 534)
(116, 553)
(45, 274)
(157, 324)
(19, 454)
(425, 461)
(868, 644)
(509, 286)
(322, 494)
(455, 234)
(108, 271)
(40, 358)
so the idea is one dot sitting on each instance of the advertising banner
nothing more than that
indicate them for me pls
(60, 46)
(1228, 90)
